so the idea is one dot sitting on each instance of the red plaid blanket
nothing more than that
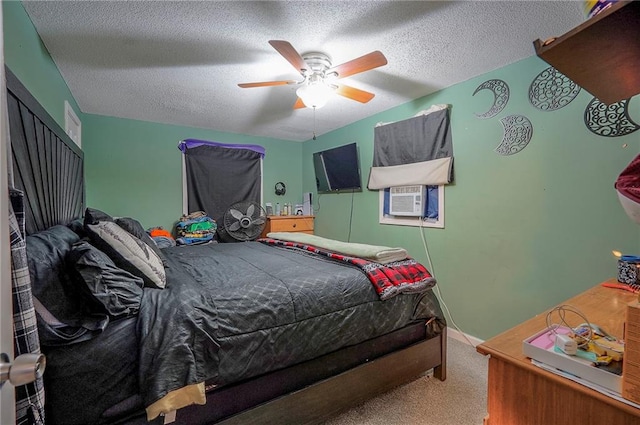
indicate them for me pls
(406, 276)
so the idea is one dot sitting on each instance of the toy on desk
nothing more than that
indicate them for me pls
(604, 347)
(588, 341)
(624, 286)
(583, 337)
(600, 350)
(566, 344)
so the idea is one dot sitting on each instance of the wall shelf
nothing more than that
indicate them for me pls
(602, 55)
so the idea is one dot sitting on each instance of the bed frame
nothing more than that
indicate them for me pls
(328, 397)
(48, 167)
(316, 390)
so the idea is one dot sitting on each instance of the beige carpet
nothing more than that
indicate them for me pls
(460, 400)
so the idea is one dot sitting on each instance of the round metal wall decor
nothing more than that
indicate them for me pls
(500, 91)
(518, 131)
(609, 121)
(552, 90)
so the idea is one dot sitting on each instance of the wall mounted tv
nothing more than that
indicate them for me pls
(337, 169)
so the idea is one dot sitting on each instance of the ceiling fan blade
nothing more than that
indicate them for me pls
(290, 54)
(354, 93)
(299, 104)
(266, 84)
(361, 64)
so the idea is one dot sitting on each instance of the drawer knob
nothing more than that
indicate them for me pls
(294, 225)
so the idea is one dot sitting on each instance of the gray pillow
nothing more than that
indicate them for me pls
(134, 227)
(109, 288)
(128, 252)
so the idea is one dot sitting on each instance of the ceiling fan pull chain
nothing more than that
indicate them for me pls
(314, 123)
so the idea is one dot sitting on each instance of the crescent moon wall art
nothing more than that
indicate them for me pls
(518, 131)
(552, 90)
(609, 121)
(500, 91)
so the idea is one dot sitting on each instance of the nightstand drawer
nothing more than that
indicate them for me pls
(289, 223)
(292, 224)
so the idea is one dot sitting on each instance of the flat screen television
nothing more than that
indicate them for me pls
(337, 169)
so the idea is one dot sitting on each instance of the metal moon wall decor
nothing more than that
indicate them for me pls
(552, 90)
(500, 91)
(609, 121)
(518, 132)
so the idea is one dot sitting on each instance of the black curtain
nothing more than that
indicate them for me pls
(218, 177)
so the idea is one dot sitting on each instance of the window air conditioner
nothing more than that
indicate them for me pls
(407, 200)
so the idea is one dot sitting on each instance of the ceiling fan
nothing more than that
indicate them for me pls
(319, 77)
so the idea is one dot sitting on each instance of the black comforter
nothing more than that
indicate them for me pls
(230, 312)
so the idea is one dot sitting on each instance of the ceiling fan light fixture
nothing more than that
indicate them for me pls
(319, 76)
(314, 95)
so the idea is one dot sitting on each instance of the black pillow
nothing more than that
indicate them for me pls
(134, 227)
(46, 253)
(93, 216)
(108, 288)
(78, 227)
(60, 310)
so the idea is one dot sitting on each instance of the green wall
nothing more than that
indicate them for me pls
(29, 60)
(134, 167)
(131, 167)
(522, 232)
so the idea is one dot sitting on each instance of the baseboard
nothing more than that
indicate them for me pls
(457, 335)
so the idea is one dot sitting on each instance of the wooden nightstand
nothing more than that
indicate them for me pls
(288, 223)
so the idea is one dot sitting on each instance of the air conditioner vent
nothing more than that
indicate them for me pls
(407, 200)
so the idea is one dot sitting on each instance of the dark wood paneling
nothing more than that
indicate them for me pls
(47, 164)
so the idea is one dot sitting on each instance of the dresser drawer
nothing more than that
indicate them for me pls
(289, 223)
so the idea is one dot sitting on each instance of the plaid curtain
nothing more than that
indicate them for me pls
(29, 397)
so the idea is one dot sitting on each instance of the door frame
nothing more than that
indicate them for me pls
(7, 394)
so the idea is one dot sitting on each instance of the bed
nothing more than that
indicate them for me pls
(267, 333)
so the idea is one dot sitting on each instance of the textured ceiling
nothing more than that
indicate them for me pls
(179, 62)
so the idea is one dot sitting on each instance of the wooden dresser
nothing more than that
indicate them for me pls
(520, 393)
(288, 223)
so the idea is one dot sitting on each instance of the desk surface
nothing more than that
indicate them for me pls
(602, 306)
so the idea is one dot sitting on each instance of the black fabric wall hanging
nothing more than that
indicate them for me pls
(415, 151)
(218, 177)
